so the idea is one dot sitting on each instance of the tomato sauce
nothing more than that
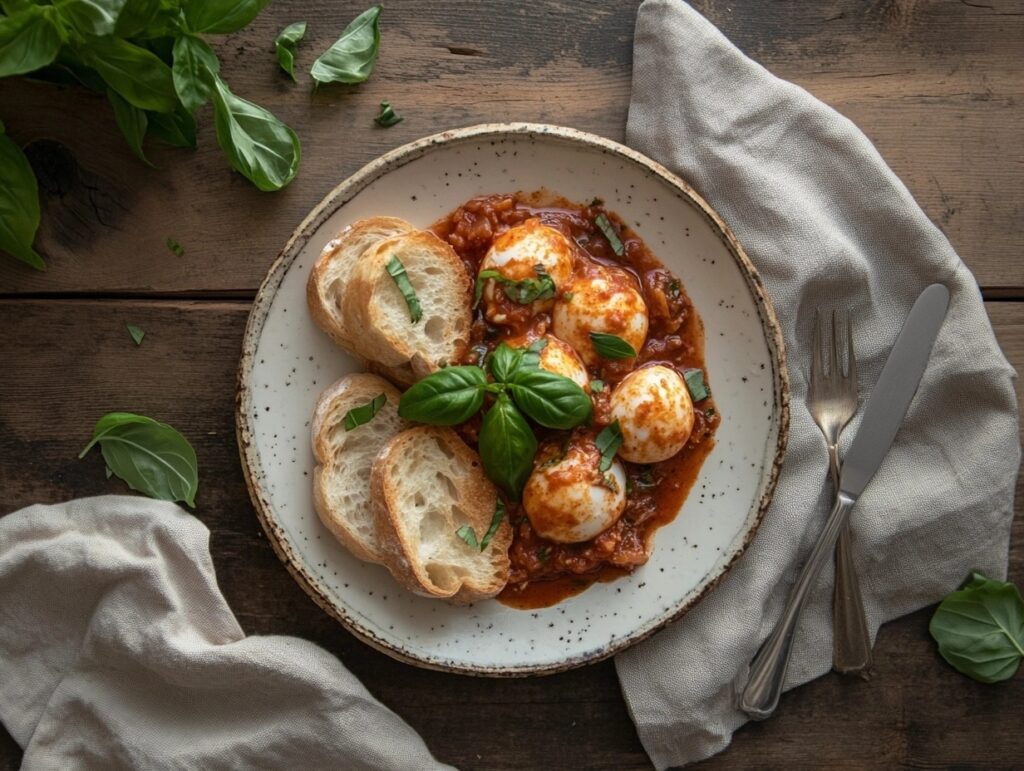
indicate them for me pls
(544, 572)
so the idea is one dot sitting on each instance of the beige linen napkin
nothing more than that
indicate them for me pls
(827, 224)
(117, 650)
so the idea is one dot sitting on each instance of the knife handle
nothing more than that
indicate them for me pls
(767, 675)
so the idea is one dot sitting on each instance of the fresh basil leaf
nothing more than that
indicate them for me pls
(468, 534)
(286, 43)
(29, 39)
(132, 71)
(151, 457)
(523, 291)
(194, 62)
(132, 121)
(19, 204)
(596, 386)
(387, 117)
(507, 446)
(137, 333)
(504, 362)
(446, 397)
(552, 400)
(177, 128)
(138, 18)
(364, 413)
(608, 442)
(396, 270)
(980, 629)
(611, 346)
(90, 17)
(218, 17)
(351, 58)
(499, 514)
(174, 246)
(530, 356)
(606, 227)
(694, 379)
(258, 145)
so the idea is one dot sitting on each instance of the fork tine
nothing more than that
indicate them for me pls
(834, 371)
(851, 358)
(816, 369)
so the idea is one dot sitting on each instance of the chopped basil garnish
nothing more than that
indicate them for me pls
(675, 289)
(608, 443)
(175, 247)
(364, 413)
(709, 412)
(468, 534)
(137, 333)
(645, 479)
(695, 384)
(606, 227)
(387, 117)
(611, 346)
(524, 291)
(596, 386)
(396, 270)
(543, 553)
(499, 513)
(531, 354)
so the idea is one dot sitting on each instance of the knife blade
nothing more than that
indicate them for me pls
(891, 397)
(883, 415)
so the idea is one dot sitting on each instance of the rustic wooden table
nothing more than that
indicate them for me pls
(936, 84)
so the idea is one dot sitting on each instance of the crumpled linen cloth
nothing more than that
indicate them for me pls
(827, 224)
(117, 650)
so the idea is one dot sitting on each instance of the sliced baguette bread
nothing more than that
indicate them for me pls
(329, 280)
(341, 478)
(426, 484)
(375, 305)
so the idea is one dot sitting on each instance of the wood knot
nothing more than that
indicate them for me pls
(55, 167)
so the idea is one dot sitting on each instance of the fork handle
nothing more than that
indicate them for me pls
(851, 643)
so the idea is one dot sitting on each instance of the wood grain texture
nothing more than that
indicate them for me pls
(69, 361)
(936, 84)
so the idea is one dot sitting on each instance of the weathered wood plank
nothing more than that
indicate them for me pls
(69, 361)
(936, 84)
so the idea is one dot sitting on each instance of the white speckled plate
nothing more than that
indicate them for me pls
(287, 361)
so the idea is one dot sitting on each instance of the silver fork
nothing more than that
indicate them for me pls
(832, 401)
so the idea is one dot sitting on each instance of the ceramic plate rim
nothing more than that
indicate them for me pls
(345, 192)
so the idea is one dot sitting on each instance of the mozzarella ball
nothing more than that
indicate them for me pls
(655, 413)
(567, 498)
(558, 357)
(605, 301)
(517, 252)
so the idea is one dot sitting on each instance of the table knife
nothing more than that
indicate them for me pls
(883, 415)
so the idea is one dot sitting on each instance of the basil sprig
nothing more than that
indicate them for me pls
(980, 629)
(611, 346)
(606, 227)
(522, 291)
(285, 44)
(151, 457)
(608, 443)
(351, 58)
(396, 270)
(506, 442)
(358, 416)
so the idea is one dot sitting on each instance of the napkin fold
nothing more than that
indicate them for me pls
(117, 650)
(828, 225)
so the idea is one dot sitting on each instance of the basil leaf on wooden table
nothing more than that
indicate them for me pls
(606, 227)
(387, 117)
(137, 74)
(980, 629)
(611, 346)
(91, 17)
(133, 123)
(136, 333)
(219, 17)
(446, 397)
(552, 400)
(507, 446)
(19, 204)
(177, 128)
(150, 457)
(358, 416)
(286, 43)
(175, 247)
(194, 63)
(258, 145)
(351, 58)
(396, 270)
(608, 442)
(29, 39)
